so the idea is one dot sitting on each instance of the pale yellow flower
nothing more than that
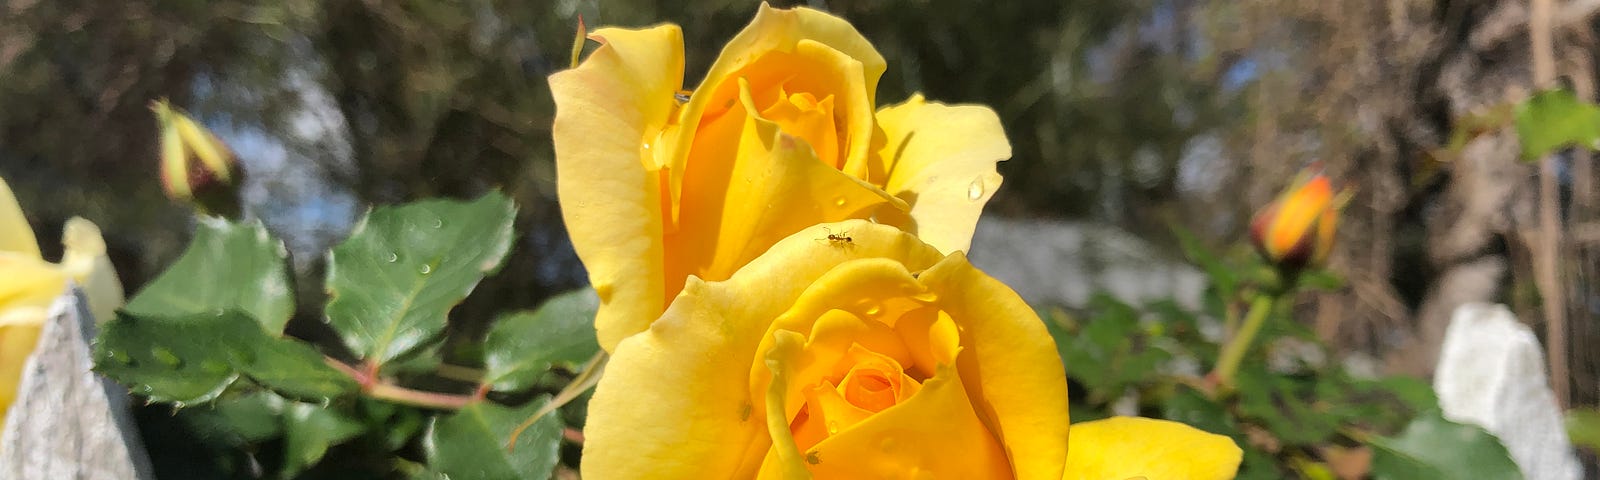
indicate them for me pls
(28, 285)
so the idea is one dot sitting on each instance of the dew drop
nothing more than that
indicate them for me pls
(146, 389)
(838, 202)
(394, 257)
(427, 269)
(870, 308)
(438, 223)
(975, 190)
(833, 427)
(166, 357)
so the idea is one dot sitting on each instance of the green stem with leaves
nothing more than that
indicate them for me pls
(1233, 352)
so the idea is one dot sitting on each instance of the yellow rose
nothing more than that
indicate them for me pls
(781, 135)
(28, 285)
(876, 357)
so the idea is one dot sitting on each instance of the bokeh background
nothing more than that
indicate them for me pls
(1140, 115)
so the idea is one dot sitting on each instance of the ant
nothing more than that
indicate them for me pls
(841, 238)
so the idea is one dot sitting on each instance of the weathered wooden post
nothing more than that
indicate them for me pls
(67, 422)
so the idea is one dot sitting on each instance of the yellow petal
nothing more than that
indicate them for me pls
(1009, 365)
(15, 234)
(779, 30)
(694, 363)
(1129, 447)
(86, 262)
(608, 111)
(940, 159)
(746, 195)
(19, 332)
(1297, 211)
(29, 281)
(933, 434)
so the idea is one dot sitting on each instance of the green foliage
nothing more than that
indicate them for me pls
(402, 269)
(1286, 404)
(475, 443)
(1555, 119)
(1583, 428)
(523, 347)
(1432, 448)
(227, 266)
(206, 338)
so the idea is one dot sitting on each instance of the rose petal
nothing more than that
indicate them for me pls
(1009, 365)
(28, 281)
(86, 262)
(15, 234)
(1128, 447)
(780, 30)
(933, 434)
(940, 159)
(608, 111)
(694, 364)
(771, 185)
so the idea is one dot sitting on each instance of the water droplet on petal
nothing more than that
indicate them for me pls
(975, 190)
(838, 202)
(166, 357)
(833, 427)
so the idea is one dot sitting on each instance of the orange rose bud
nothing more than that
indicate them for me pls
(1297, 230)
(196, 167)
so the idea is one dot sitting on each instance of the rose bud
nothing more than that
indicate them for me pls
(1297, 230)
(196, 167)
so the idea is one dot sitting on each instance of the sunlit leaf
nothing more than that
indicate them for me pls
(228, 266)
(523, 346)
(472, 444)
(396, 278)
(1555, 119)
(1583, 428)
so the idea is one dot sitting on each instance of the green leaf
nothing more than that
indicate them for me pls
(238, 420)
(1434, 448)
(471, 444)
(308, 431)
(396, 278)
(523, 346)
(228, 266)
(193, 358)
(1583, 427)
(1555, 119)
(1190, 407)
(170, 358)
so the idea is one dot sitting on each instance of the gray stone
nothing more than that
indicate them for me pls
(68, 423)
(1052, 262)
(1491, 373)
